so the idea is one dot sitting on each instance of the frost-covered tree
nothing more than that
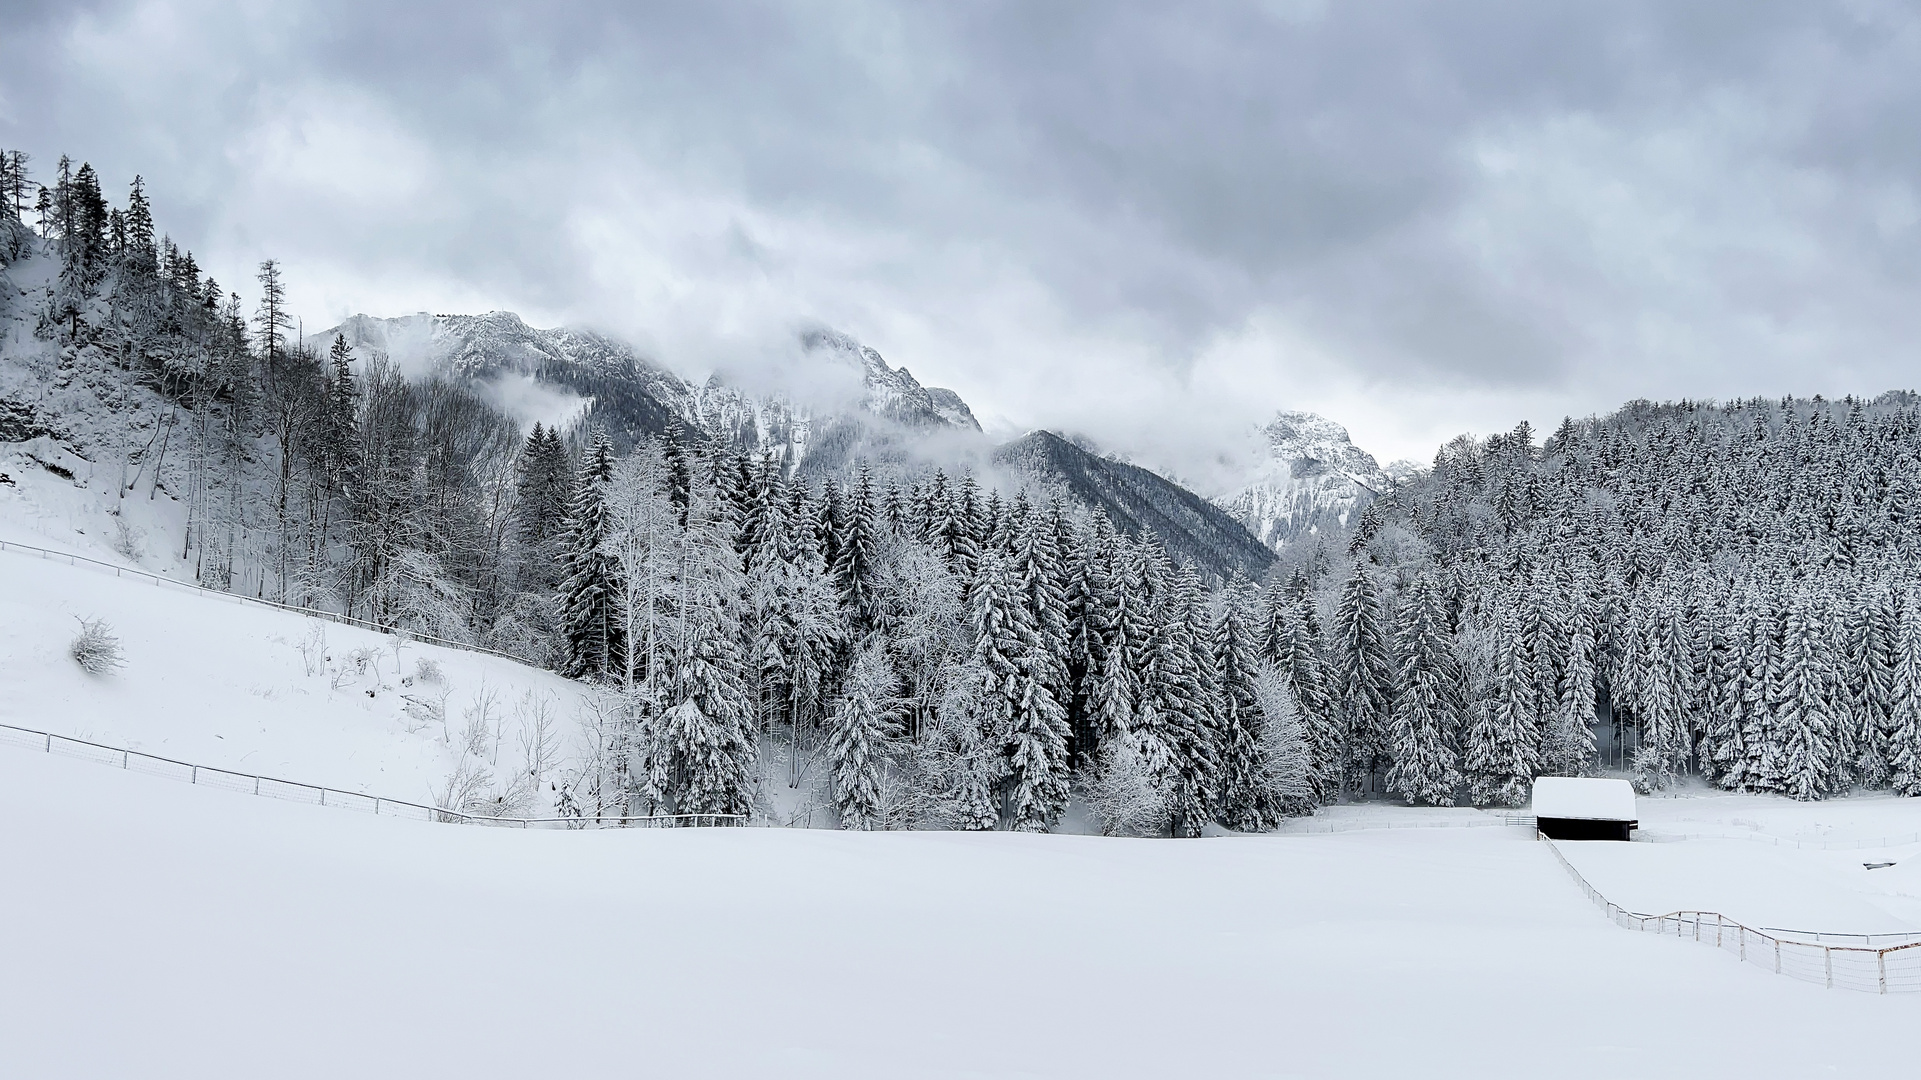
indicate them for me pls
(1363, 674)
(1499, 752)
(859, 729)
(1428, 701)
(1904, 740)
(1243, 798)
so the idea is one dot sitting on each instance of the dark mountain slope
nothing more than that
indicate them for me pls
(1192, 529)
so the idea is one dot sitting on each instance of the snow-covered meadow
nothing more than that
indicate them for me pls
(160, 930)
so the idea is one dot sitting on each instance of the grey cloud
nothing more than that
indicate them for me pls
(1107, 187)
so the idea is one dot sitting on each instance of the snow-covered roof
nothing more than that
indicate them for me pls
(1576, 797)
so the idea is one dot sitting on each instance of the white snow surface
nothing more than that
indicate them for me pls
(212, 680)
(160, 930)
(1589, 798)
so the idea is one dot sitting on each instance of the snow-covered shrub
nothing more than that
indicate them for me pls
(427, 670)
(1122, 793)
(129, 539)
(313, 650)
(95, 648)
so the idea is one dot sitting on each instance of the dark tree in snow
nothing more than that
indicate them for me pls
(1363, 671)
(590, 622)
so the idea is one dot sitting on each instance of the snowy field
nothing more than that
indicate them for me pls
(160, 930)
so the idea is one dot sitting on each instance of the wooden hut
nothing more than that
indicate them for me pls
(1578, 808)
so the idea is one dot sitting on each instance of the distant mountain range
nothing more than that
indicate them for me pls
(1311, 479)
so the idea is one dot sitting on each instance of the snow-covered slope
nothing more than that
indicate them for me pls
(213, 680)
(159, 930)
(1310, 477)
(632, 396)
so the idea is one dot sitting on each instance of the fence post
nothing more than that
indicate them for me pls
(1777, 956)
(1881, 968)
(1827, 961)
(123, 759)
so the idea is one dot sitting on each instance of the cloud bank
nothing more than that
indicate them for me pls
(1154, 224)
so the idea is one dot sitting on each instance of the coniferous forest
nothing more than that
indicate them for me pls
(1722, 591)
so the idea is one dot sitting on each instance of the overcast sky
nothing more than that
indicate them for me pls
(1151, 224)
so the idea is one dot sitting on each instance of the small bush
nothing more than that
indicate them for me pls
(95, 648)
(427, 670)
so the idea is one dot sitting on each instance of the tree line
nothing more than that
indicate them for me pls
(1731, 591)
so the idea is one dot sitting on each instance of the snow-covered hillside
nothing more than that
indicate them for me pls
(1309, 477)
(215, 935)
(213, 680)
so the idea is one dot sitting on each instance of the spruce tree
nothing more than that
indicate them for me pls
(1363, 674)
(590, 625)
(1245, 798)
(1428, 701)
(859, 729)
(1499, 755)
(1803, 703)
(1904, 740)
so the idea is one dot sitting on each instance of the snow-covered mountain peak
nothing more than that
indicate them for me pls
(1310, 475)
(1311, 445)
(889, 391)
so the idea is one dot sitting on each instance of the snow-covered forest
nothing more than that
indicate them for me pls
(1721, 590)
(1732, 587)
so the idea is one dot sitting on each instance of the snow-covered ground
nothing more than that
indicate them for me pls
(160, 930)
(212, 680)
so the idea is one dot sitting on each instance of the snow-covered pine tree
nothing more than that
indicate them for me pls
(1499, 756)
(1119, 642)
(1176, 722)
(1428, 701)
(1363, 675)
(860, 727)
(1009, 649)
(1660, 691)
(854, 565)
(1569, 748)
(1803, 702)
(1904, 707)
(698, 755)
(589, 621)
(1294, 646)
(1244, 798)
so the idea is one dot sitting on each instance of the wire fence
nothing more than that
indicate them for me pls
(1874, 843)
(318, 795)
(318, 613)
(1804, 955)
